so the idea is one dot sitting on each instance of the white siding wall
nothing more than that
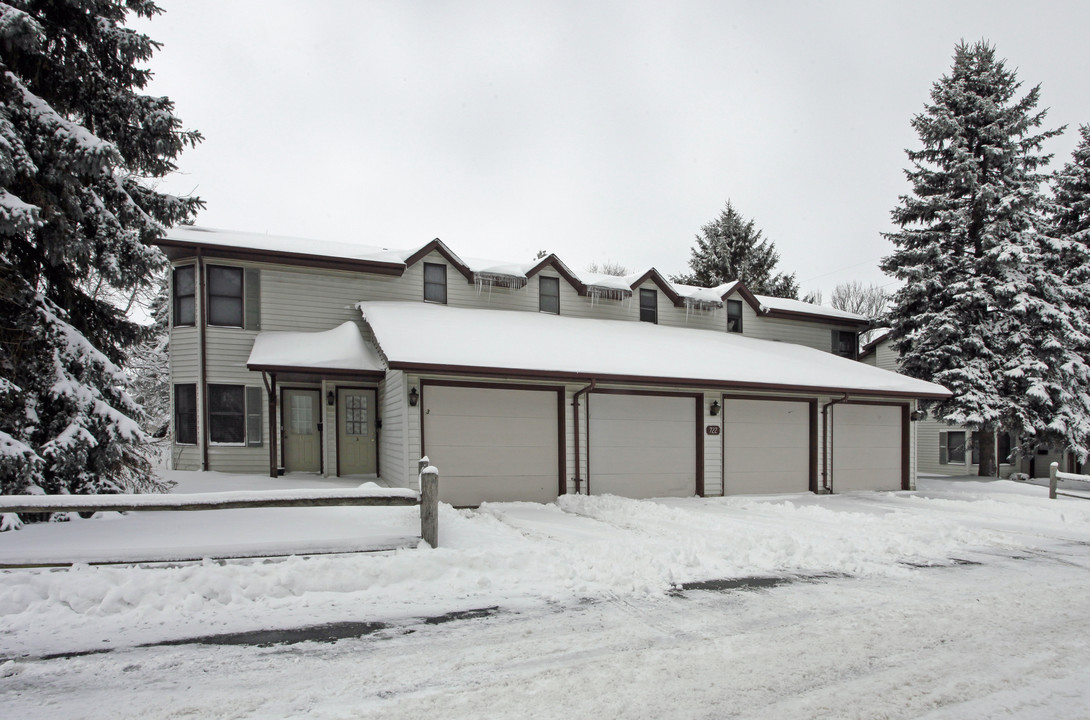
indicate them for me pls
(393, 446)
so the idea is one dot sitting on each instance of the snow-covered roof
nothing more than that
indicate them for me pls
(495, 272)
(798, 306)
(342, 348)
(277, 243)
(423, 335)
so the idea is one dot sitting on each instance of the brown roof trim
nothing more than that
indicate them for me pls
(516, 373)
(663, 284)
(301, 369)
(749, 297)
(813, 317)
(440, 247)
(179, 249)
(873, 344)
(563, 270)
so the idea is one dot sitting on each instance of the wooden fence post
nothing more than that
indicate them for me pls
(429, 503)
(1052, 470)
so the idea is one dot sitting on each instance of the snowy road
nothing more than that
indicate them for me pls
(1005, 639)
(587, 625)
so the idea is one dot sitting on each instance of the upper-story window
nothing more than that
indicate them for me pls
(225, 298)
(185, 293)
(435, 283)
(549, 295)
(734, 316)
(649, 306)
(845, 344)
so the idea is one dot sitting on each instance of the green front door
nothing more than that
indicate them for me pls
(301, 415)
(357, 446)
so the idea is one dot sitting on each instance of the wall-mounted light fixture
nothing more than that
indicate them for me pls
(916, 415)
(714, 409)
(414, 397)
(330, 398)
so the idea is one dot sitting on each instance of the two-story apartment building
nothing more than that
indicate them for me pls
(943, 449)
(520, 381)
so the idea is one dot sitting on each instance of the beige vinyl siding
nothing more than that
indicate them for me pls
(184, 354)
(713, 445)
(886, 357)
(393, 447)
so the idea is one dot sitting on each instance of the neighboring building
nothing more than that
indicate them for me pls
(518, 381)
(943, 449)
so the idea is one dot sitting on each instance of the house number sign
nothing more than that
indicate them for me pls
(712, 430)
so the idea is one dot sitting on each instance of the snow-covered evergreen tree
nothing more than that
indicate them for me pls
(982, 310)
(731, 248)
(79, 147)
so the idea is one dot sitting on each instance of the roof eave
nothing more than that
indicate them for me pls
(522, 373)
(277, 257)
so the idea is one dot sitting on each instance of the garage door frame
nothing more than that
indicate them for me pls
(561, 433)
(698, 422)
(906, 436)
(812, 402)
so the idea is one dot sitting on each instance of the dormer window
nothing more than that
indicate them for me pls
(549, 295)
(435, 283)
(734, 316)
(649, 306)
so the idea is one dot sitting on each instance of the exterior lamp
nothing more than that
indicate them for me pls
(330, 398)
(714, 409)
(414, 397)
(916, 415)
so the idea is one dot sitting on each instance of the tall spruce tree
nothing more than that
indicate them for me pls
(730, 248)
(80, 147)
(982, 310)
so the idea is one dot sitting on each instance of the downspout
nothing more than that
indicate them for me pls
(200, 296)
(575, 405)
(270, 387)
(825, 442)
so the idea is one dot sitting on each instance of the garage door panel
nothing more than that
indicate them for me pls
(769, 436)
(867, 447)
(616, 460)
(490, 432)
(463, 490)
(763, 482)
(766, 446)
(795, 458)
(514, 461)
(643, 485)
(642, 445)
(642, 407)
(492, 444)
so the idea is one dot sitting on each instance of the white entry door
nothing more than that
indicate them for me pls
(357, 436)
(301, 413)
(766, 446)
(642, 446)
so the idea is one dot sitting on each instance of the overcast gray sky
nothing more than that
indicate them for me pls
(596, 130)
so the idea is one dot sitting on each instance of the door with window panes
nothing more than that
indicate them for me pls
(302, 431)
(357, 446)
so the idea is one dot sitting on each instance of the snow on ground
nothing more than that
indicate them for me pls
(883, 619)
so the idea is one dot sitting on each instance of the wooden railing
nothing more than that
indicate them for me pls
(427, 499)
(1054, 475)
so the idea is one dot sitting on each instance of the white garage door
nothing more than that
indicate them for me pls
(642, 446)
(491, 444)
(867, 450)
(766, 446)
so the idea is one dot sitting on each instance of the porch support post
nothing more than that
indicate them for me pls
(270, 387)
